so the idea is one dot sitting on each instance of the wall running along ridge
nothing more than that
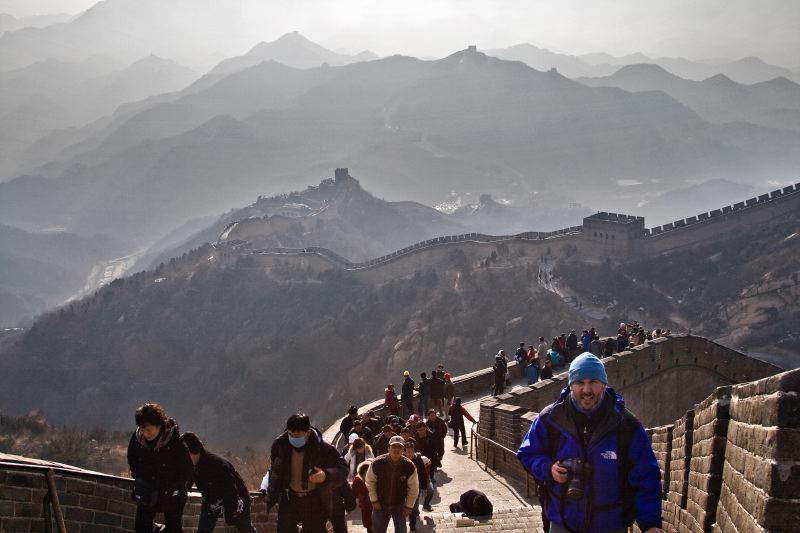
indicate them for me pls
(599, 238)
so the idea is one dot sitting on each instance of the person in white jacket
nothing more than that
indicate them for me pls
(358, 452)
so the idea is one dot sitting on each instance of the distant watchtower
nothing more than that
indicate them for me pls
(610, 236)
(472, 49)
(341, 175)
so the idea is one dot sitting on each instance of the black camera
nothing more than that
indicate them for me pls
(578, 471)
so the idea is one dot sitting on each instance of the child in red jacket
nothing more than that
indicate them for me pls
(362, 495)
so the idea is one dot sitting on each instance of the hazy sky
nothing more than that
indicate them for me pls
(697, 29)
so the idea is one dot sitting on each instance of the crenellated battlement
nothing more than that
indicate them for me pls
(603, 236)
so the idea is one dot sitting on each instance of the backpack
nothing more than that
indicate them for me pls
(625, 431)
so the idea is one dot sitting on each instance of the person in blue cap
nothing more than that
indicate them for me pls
(593, 461)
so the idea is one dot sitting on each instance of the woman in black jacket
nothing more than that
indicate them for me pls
(161, 469)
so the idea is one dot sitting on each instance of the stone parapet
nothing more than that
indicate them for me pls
(661, 440)
(761, 474)
(90, 502)
(709, 438)
(680, 460)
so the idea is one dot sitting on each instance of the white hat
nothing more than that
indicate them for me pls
(351, 438)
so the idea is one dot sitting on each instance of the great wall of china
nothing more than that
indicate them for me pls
(725, 427)
(602, 236)
(730, 461)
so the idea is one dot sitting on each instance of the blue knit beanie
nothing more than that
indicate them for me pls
(587, 366)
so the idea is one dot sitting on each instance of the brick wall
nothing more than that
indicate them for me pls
(89, 503)
(661, 440)
(679, 464)
(761, 476)
(709, 438)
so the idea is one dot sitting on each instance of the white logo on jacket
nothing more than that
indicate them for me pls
(611, 455)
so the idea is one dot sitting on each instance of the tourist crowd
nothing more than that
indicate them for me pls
(387, 467)
(538, 362)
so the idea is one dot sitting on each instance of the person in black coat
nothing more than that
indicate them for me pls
(500, 369)
(437, 392)
(424, 393)
(304, 470)
(407, 393)
(161, 468)
(224, 493)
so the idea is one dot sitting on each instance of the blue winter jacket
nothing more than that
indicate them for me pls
(603, 500)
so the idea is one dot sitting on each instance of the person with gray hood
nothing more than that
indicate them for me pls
(161, 469)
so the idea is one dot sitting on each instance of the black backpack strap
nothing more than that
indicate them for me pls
(543, 486)
(627, 428)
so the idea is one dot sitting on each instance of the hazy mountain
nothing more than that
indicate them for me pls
(544, 59)
(602, 58)
(10, 23)
(127, 31)
(553, 212)
(415, 130)
(42, 270)
(774, 103)
(292, 50)
(52, 95)
(747, 70)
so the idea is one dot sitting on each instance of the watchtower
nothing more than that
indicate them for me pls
(610, 236)
(341, 175)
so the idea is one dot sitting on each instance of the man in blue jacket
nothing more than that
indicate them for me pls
(597, 465)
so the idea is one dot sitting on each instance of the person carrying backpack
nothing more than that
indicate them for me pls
(595, 462)
(521, 357)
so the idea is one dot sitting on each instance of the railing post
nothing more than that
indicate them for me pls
(51, 484)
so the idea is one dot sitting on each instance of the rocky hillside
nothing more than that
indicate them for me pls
(231, 351)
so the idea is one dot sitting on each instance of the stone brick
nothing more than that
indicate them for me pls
(94, 503)
(18, 494)
(80, 486)
(767, 442)
(121, 507)
(779, 479)
(776, 409)
(68, 499)
(25, 479)
(111, 492)
(6, 508)
(77, 514)
(27, 510)
(15, 525)
(107, 519)
(783, 382)
(94, 528)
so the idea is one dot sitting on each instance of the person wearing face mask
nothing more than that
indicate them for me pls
(304, 470)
